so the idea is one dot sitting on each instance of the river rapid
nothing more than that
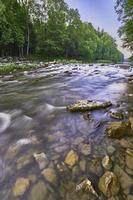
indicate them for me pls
(34, 120)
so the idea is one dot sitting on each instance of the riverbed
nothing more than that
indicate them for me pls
(36, 122)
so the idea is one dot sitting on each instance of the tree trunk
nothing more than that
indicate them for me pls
(28, 40)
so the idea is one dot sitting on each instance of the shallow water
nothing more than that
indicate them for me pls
(39, 122)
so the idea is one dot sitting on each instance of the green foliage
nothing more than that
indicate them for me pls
(124, 9)
(49, 28)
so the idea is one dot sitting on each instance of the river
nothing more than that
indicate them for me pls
(34, 119)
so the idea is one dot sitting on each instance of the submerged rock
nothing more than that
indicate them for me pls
(38, 192)
(50, 175)
(85, 149)
(20, 187)
(71, 158)
(126, 182)
(86, 186)
(110, 149)
(129, 158)
(41, 159)
(86, 105)
(107, 162)
(116, 115)
(109, 184)
(118, 129)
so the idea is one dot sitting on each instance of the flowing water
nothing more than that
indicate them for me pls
(34, 119)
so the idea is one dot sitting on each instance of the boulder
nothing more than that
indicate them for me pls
(20, 187)
(86, 105)
(71, 158)
(109, 184)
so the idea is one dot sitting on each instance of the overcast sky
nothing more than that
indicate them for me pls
(102, 14)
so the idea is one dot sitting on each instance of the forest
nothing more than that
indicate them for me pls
(50, 29)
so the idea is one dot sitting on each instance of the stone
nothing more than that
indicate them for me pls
(78, 140)
(82, 165)
(126, 143)
(110, 150)
(86, 186)
(129, 158)
(23, 161)
(50, 175)
(85, 149)
(126, 182)
(95, 167)
(131, 122)
(109, 184)
(116, 115)
(20, 187)
(39, 191)
(71, 158)
(107, 163)
(41, 159)
(130, 197)
(118, 129)
(86, 105)
(75, 171)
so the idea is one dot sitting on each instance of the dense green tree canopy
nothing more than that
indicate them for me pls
(49, 28)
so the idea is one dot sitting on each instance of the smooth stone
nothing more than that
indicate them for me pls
(50, 175)
(41, 159)
(111, 150)
(129, 158)
(126, 182)
(38, 192)
(23, 161)
(82, 165)
(126, 143)
(129, 171)
(95, 167)
(78, 140)
(109, 184)
(20, 187)
(116, 115)
(85, 149)
(71, 158)
(130, 197)
(107, 163)
(118, 129)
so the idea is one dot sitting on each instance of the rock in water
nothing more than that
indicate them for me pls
(118, 129)
(41, 159)
(109, 184)
(129, 158)
(71, 158)
(86, 105)
(21, 186)
(39, 191)
(5, 121)
(50, 175)
(87, 186)
(107, 163)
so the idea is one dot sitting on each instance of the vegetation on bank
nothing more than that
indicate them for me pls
(51, 29)
(12, 68)
(124, 9)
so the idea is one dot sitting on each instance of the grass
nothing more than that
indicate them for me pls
(11, 68)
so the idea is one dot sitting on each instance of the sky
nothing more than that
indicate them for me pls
(101, 14)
